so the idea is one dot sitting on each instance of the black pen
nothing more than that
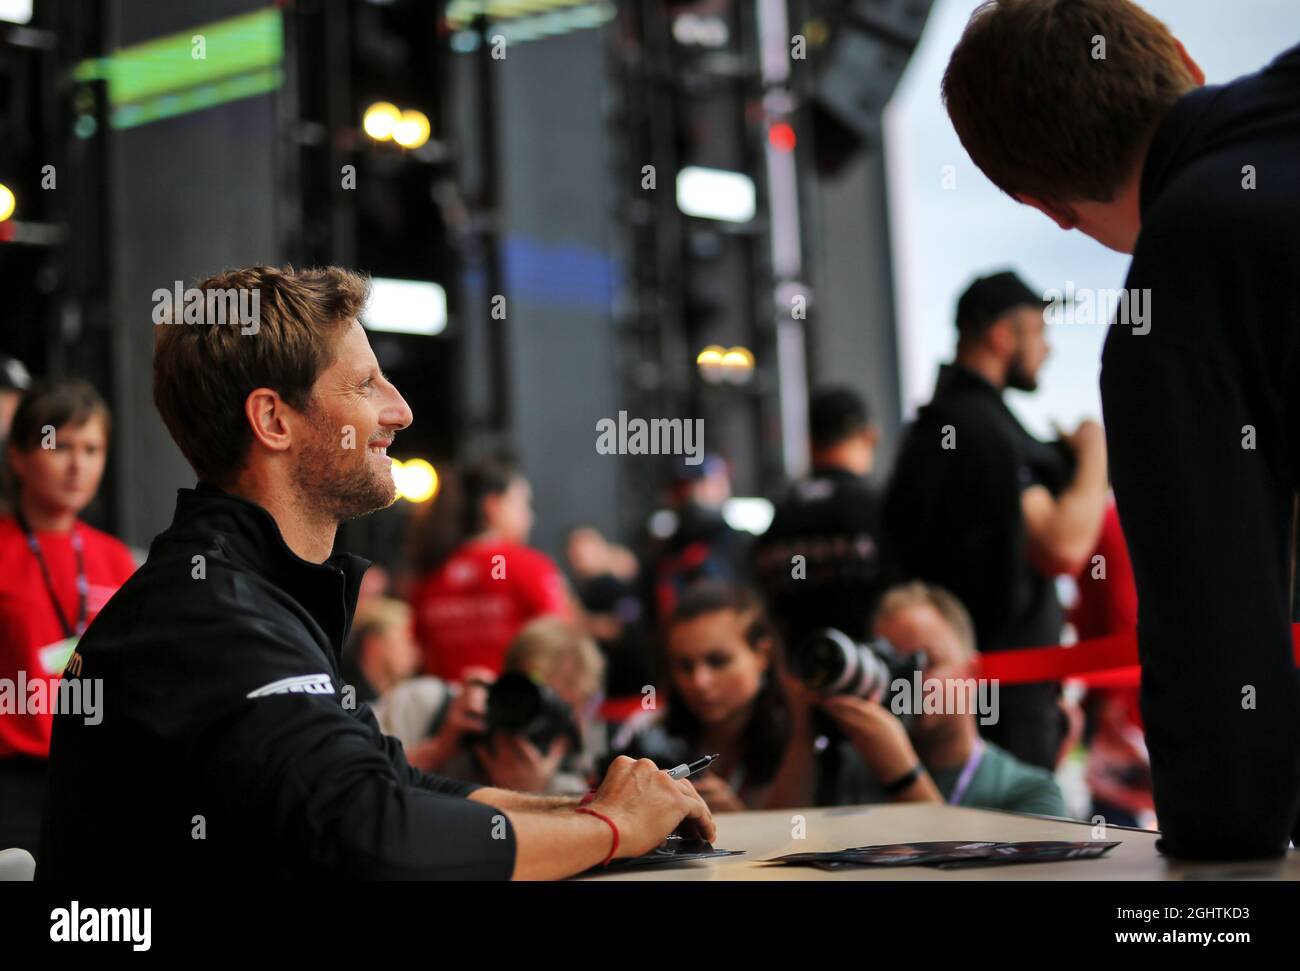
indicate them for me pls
(685, 771)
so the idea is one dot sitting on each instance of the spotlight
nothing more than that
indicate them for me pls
(709, 361)
(412, 129)
(381, 120)
(416, 480)
(7, 202)
(737, 365)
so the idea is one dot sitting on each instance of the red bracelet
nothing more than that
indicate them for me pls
(588, 798)
(613, 849)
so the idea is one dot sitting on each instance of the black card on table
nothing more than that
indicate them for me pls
(948, 854)
(673, 850)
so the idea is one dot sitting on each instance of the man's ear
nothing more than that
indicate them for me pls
(268, 417)
(1197, 74)
(1002, 336)
(1064, 216)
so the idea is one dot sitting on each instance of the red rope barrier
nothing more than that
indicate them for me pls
(1110, 661)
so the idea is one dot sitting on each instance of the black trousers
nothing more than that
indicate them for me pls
(22, 795)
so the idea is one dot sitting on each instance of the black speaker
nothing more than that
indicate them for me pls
(856, 71)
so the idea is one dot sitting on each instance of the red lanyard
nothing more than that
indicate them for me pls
(83, 585)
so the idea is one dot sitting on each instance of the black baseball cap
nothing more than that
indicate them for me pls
(990, 297)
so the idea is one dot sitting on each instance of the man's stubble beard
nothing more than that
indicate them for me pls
(1019, 377)
(339, 483)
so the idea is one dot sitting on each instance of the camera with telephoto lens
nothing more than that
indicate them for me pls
(518, 705)
(831, 663)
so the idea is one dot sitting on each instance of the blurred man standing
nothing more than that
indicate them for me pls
(980, 507)
(819, 562)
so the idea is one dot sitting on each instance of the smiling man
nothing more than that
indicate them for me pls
(229, 747)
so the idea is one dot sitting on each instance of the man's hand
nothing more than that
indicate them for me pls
(466, 714)
(879, 737)
(512, 762)
(647, 806)
(1063, 529)
(1088, 442)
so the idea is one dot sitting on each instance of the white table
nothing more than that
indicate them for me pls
(764, 835)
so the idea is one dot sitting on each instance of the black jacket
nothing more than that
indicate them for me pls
(832, 520)
(953, 510)
(229, 745)
(1203, 428)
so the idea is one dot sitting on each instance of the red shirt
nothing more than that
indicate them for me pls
(31, 637)
(468, 610)
(1109, 605)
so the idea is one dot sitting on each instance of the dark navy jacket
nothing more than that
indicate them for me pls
(1203, 428)
(229, 746)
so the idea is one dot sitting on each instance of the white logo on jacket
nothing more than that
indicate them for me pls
(302, 684)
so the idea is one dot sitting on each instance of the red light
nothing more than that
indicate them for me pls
(781, 137)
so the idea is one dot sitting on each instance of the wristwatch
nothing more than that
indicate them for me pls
(903, 781)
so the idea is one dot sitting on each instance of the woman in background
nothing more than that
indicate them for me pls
(472, 603)
(726, 696)
(56, 573)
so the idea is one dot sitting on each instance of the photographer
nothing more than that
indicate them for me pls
(379, 662)
(533, 730)
(935, 757)
(726, 694)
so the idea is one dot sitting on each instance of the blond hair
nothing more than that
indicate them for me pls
(550, 648)
(919, 594)
(376, 616)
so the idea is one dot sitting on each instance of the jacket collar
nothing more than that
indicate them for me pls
(1187, 126)
(1166, 155)
(328, 591)
(957, 377)
(837, 472)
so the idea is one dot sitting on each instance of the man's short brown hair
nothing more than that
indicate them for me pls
(1040, 114)
(203, 373)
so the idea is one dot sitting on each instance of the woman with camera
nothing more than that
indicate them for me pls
(727, 694)
(730, 695)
